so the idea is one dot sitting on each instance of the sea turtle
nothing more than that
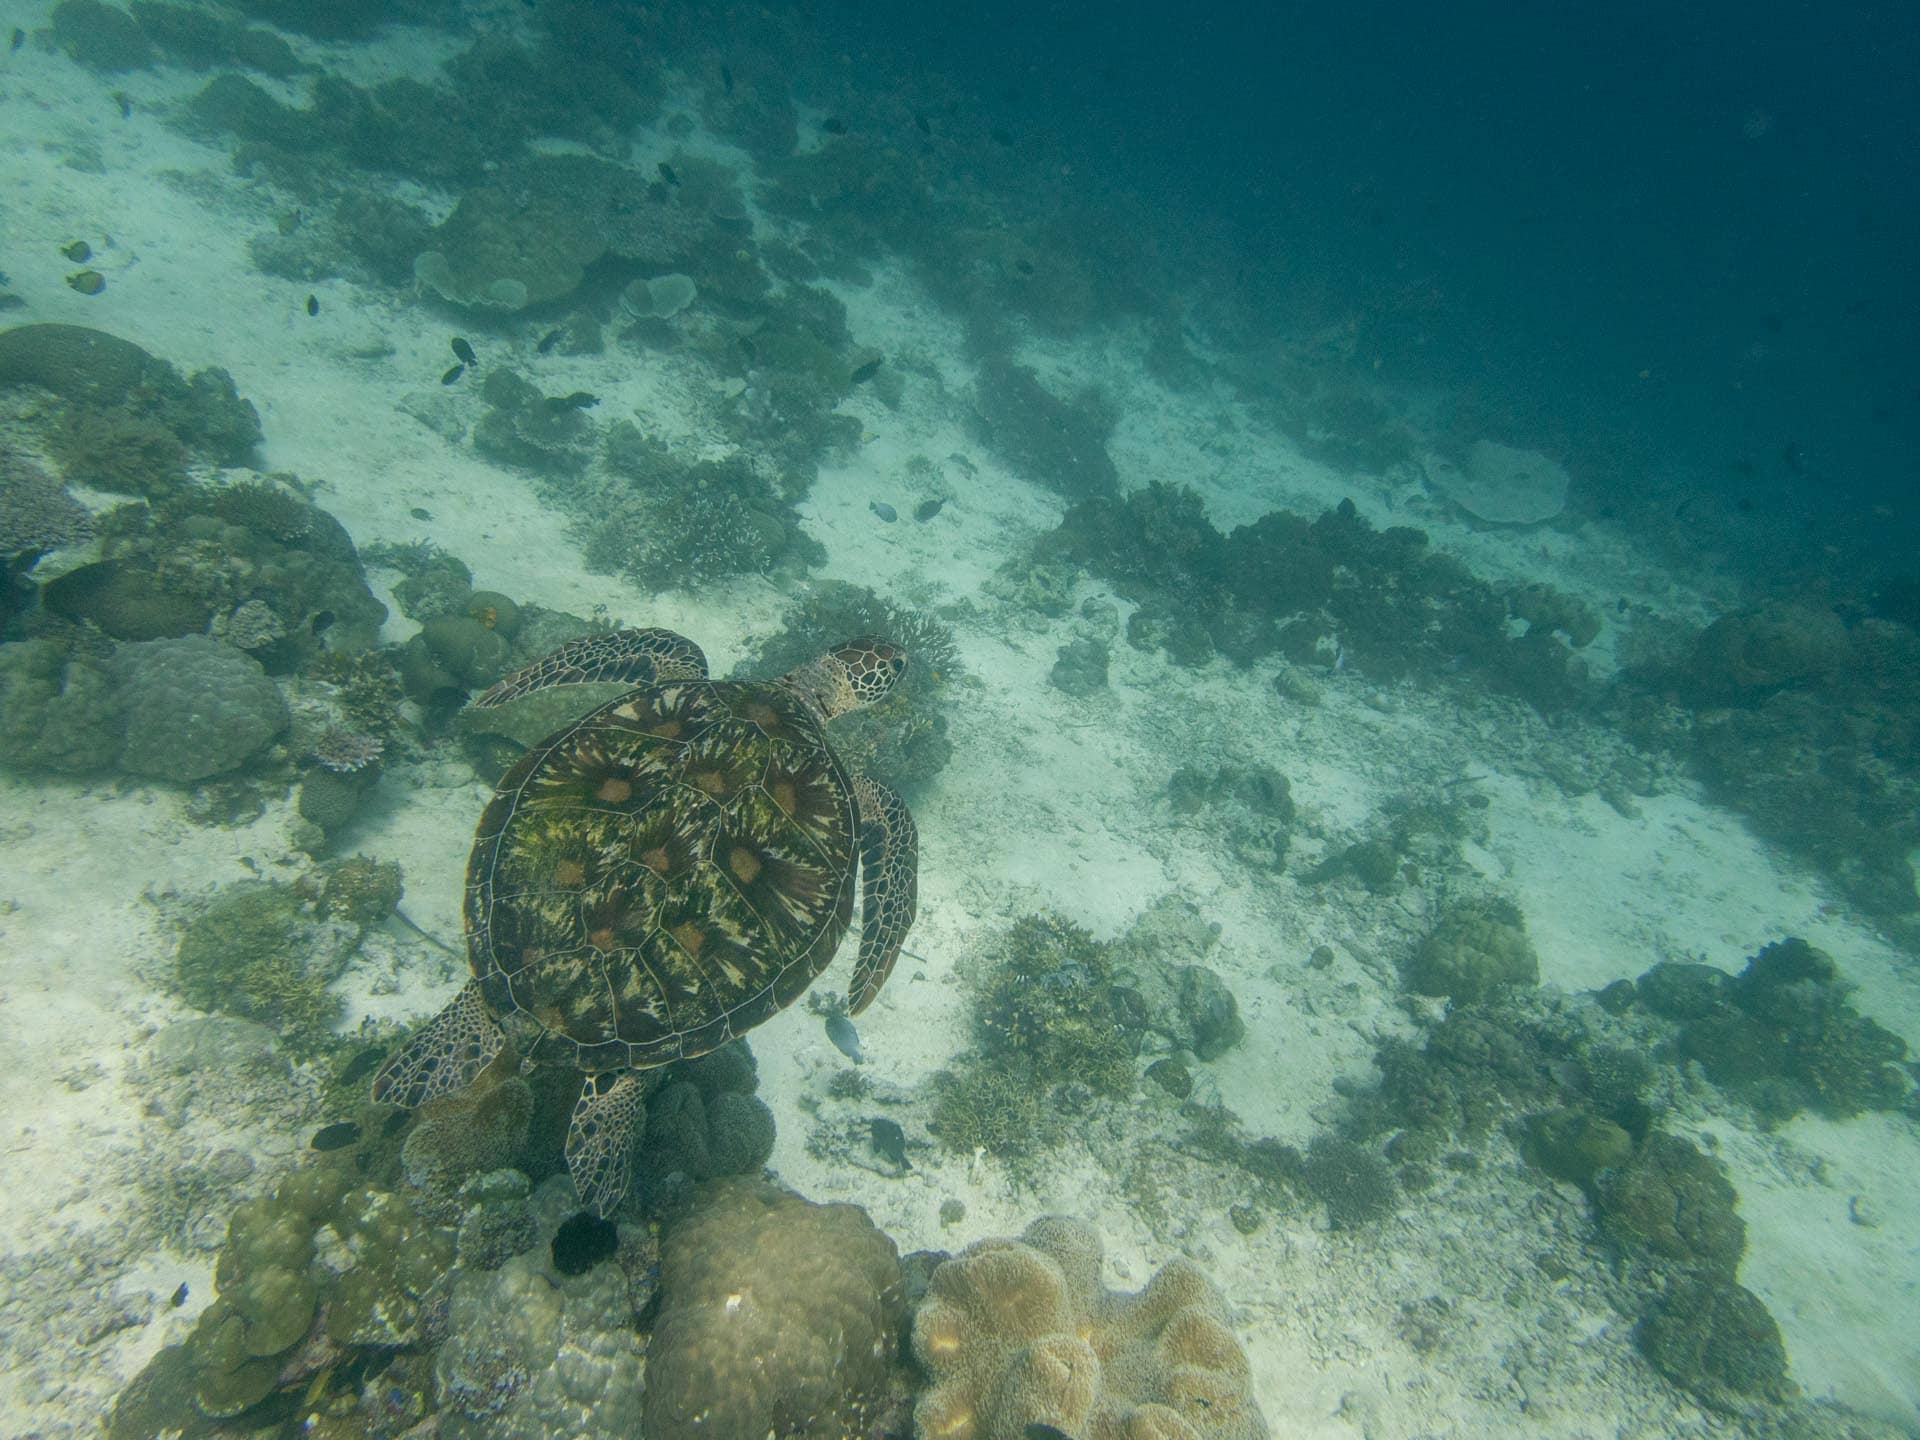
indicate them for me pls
(662, 875)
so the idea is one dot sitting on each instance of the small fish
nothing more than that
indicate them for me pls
(548, 341)
(420, 512)
(865, 371)
(845, 1038)
(1025, 267)
(179, 1296)
(726, 75)
(313, 305)
(889, 1141)
(395, 1123)
(453, 374)
(920, 123)
(1001, 137)
(125, 102)
(1040, 1430)
(362, 1065)
(578, 400)
(465, 351)
(927, 509)
(834, 125)
(336, 1136)
(19, 39)
(78, 252)
(885, 511)
(667, 173)
(87, 282)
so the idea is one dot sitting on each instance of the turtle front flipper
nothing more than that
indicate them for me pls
(889, 887)
(600, 1139)
(628, 657)
(456, 1045)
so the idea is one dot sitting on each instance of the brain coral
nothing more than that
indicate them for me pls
(778, 1317)
(1020, 1333)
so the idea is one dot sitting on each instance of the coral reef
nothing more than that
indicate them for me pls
(1477, 947)
(1673, 1201)
(258, 950)
(779, 1317)
(1251, 804)
(1021, 1338)
(253, 560)
(288, 1308)
(1783, 1034)
(55, 713)
(1717, 1339)
(1353, 1182)
(97, 372)
(194, 707)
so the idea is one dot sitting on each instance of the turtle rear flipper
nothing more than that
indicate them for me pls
(456, 1045)
(600, 1139)
(627, 657)
(889, 887)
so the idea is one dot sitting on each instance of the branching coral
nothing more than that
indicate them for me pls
(1020, 1335)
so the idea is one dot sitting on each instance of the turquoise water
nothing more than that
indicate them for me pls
(1349, 868)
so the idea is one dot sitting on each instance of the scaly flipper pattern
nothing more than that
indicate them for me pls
(627, 657)
(600, 1139)
(889, 886)
(456, 1045)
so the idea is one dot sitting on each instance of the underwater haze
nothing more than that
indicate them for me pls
(944, 723)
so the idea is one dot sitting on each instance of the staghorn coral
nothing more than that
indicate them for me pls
(779, 1317)
(36, 512)
(1020, 1335)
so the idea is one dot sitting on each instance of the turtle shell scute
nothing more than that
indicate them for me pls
(664, 874)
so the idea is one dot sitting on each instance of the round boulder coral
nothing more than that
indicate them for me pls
(1020, 1334)
(778, 1317)
(194, 707)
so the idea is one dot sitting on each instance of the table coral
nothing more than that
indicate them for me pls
(1020, 1334)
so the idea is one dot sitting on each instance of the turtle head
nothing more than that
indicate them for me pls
(852, 675)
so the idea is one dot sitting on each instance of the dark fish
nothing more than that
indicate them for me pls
(362, 1065)
(834, 125)
(420, 512)
(87, 282)
(548, 341)
(1025, 267)
(667, 173)
(920, 123)
(453, 374)
(885, 511)
(313, 305)
(726, 75)
(179, 1296)
(1040, 1430)
(78, 251)
(1001, 137)
(927, 509)
(465, 351)
(19, 38)
(336, 1136)
(125, 102)
(889, 1140)
(578, 400)
(865, 371)
(845, 1038)
(395, 1123)
(1794, 457)
(322, 622)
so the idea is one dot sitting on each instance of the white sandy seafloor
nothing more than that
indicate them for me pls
(1050, 801)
